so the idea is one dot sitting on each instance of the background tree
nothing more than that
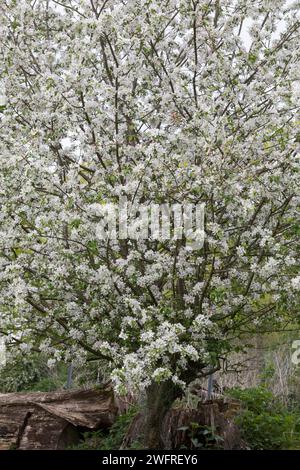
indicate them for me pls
(158, 101)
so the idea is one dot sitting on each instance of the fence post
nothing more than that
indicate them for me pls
(69, 376)
(210, 386)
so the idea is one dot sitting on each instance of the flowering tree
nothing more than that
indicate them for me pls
(158, 102)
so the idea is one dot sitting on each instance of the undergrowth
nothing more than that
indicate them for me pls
(265, 422)
(111, 439)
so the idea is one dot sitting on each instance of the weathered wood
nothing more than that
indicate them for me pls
(51, 420)
(217, 415)
(46, 431)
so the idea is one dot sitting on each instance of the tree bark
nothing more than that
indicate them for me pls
(159, 399)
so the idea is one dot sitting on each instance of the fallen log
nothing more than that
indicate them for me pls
(53, 420)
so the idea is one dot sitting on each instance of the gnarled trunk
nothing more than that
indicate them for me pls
(159, 399)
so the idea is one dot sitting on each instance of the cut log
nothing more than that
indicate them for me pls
(177, 426)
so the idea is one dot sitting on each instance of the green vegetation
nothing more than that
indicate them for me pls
(265, 422)
(31, 373)
(111, 440)
(202, 437)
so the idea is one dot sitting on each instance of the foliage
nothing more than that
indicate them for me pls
(54, 380)
(265, 422)
(30, 373)
(203, 437)
(281, 374)
(91, 374)
(111, 440)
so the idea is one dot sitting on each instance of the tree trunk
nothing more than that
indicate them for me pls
(159, 399)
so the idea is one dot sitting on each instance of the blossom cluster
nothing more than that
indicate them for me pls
(160, 102)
